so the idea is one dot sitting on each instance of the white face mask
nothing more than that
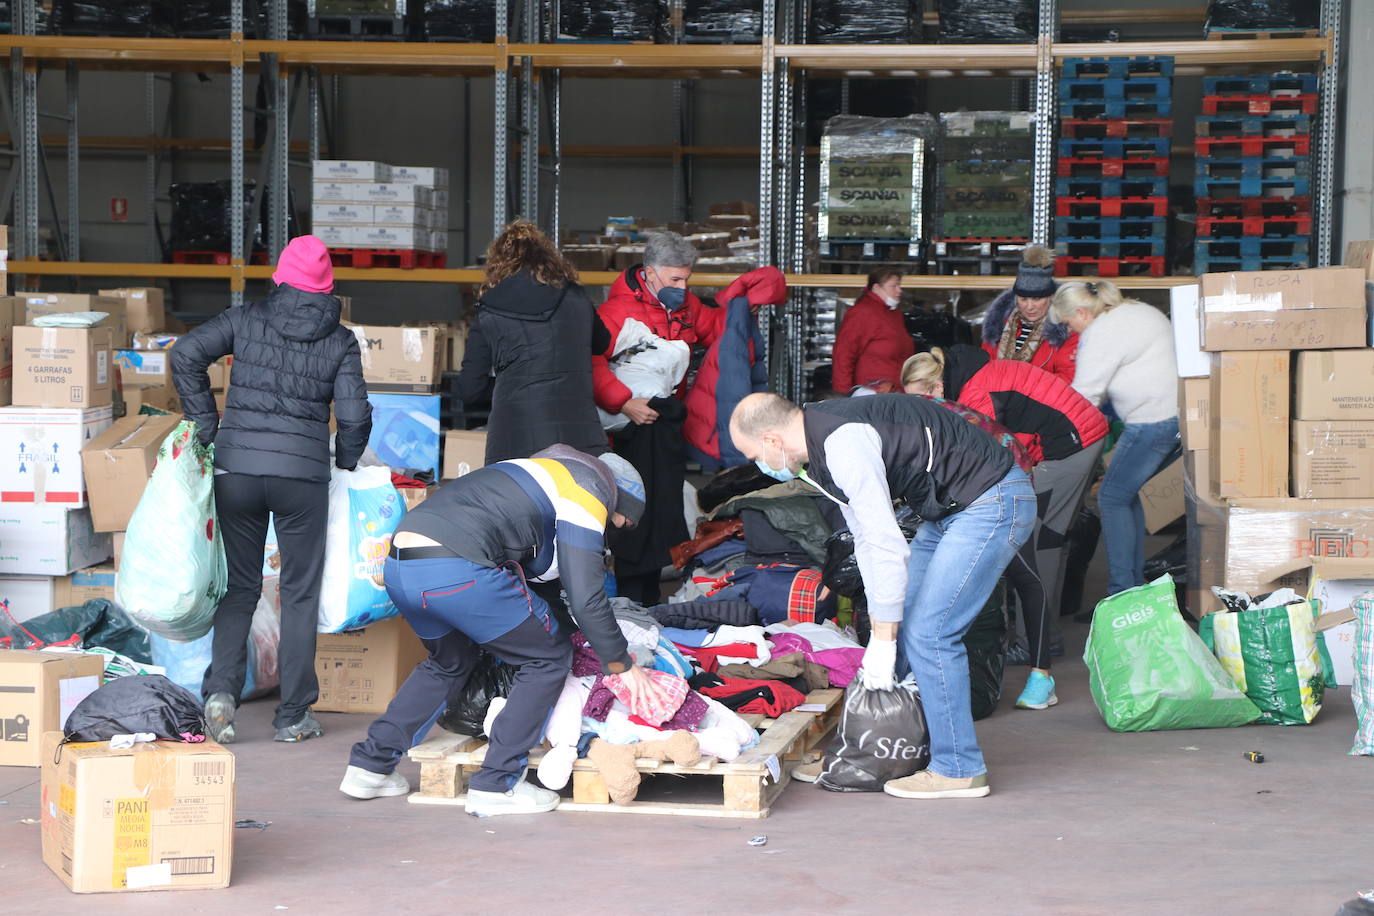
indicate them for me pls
(890, 301)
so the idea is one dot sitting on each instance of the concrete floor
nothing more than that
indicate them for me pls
(1081, 821)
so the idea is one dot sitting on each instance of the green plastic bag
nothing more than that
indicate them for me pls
(1272, 655)
(1148, 670)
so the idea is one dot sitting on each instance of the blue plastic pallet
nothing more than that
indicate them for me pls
(1156, 186)
(1114, 109)
(1143, 89)
(1254, 246)
(1110, 227)
(1260, 84)
(1203, 264)
(1114, 147)
(1228, 188)
(1110, 248)
(1117, 67)
(1254, 167)
(1269, 125)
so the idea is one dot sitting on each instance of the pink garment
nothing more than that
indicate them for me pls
(584, 660)
(687, 718)
(672, 691)
(304, 263)
(843, 664)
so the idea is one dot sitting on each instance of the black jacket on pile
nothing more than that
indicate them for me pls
(291, 359)
(539, 342)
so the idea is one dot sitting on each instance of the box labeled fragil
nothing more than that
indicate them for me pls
(1248, 423)
(1333, 459)
(118, 464)
(350, 170)
(37, 692)
(400, 360)
(27, 597)
(49, 540)
(430, 175)
(1193, 423)
(146, 307)
(93, 584)
(361, 670)
(37, 305)
(62, 367)
(1334, 385)
(40, 453)
(1322, 308)
(465, 450)
(152, 817)
(342, 214)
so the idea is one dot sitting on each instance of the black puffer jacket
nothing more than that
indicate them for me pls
(291, 359)
(539, 341)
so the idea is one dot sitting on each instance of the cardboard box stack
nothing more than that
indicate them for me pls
(366, 207)
(728, 240)
(1277, 419)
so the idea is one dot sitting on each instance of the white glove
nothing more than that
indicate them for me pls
(879, 664)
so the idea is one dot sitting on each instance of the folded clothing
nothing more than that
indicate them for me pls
(843, 664)
(770, 698)
(708, 657)
(782, 668)
(660, 705)
(704, 614)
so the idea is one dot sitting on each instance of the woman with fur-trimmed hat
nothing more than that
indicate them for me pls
(1018, 325)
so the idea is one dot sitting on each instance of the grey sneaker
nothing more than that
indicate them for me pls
(522, 798)
(807, 772)
(360, 783)
(305, 727)
(926, 784)
(219, 717)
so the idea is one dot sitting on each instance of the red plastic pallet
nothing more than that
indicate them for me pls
(219, 258)
(1254, 207)
(1083, 207)
(1217, 227)
(1109, 267)
(984, 239)
(1259, 104)
(1087, 128)
(405, 259)
(1251, 147)
(1112, 168)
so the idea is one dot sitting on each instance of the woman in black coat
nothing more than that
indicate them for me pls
(535, 331)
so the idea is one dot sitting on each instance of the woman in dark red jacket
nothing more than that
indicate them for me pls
(873, 341)
(1064, 434)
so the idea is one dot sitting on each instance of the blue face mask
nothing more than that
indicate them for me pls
(672, 297)
(783, 475)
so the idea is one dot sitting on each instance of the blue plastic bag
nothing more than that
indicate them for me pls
(364, 510)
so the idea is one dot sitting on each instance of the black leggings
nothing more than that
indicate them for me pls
(1030, 594)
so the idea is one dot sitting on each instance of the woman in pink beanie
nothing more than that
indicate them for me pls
(292, 360)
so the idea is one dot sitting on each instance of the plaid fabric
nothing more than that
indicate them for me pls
(802, 598)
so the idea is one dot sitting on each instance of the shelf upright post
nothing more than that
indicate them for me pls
(785, 165)
(312, 76)
(279, 185)
(1328, 131)
(767, 127)
(529, 120)
(1044, 123)
(29, 164)
(152, 248)
(73, 164)
(501, 139)
(554, 93)
(236, 230)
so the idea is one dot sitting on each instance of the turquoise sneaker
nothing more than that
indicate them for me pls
(1039, 692)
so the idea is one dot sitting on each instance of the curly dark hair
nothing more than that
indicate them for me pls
(522, 246)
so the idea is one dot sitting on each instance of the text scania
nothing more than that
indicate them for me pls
(848, 194)
(869, 171)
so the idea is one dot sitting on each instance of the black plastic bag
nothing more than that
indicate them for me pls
(467, 711)
(986, 643)
(840, 571)
(882, 736)
(1083, 536)
(1172, 560)
(138, 703)
(95, 623)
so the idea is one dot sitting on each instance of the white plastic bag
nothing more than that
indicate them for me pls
(648, 365)
(173, 572)
(364, 510)
(187, 662)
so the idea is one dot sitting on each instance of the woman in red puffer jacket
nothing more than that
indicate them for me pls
(873, 341)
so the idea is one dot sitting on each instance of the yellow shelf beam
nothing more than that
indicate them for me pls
(621, 60)
(1206, 53)
(909, 58)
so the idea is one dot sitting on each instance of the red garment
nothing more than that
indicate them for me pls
(872, 344)
(1041, 409)
(1060, 360)
(694, 323)
(708, 656)
(785, 698)
(765, 286)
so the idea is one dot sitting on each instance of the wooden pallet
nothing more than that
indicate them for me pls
(749, 784)
(1216, 34)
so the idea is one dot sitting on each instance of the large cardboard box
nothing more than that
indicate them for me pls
(405, 430)
(361, 670)
(152, 368)
(11, 315)
(1360, 255)
(38, 463)
(328, 170)
(1334, 385)
(145, 306)
(1192, 361)
(1333, 459)
(1271, 542)
(1193, 416)
(84, 585)
(155, 817)
(1248, 423)
(62, 367)
(37, 692)
(158, 397)
(429, 175)
(49, 540)
(1334, 584)
(1162, 497)
(465, 450)
(118, 463)
(401, 360)
(28, 596)
(39, 304)
(1315, 309)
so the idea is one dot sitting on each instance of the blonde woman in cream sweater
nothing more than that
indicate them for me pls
(1125, 357)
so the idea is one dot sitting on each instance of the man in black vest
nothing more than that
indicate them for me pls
(977, 508)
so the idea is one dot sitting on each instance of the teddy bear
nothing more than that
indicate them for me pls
(616, 762)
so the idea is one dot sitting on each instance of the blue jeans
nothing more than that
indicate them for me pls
(1139, 452)
(955, 564)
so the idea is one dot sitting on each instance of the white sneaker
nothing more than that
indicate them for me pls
(522, 798)
(360, 783)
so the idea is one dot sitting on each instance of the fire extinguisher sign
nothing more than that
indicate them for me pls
(119, 209)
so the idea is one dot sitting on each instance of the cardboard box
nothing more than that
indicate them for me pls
(1192, 361)
(27, 597)
(49, 540)
(161, 398)
(333, 170)
(400, 360)
(37, 692)
(465, 451)
(1317, 309)
(1193, 418)
(1334, 385)
(339, 236)
(386, 237)
(402, 215)
(96, 583)
(1248, 423)
(156, 340)
(118, 464)
(405, 430)
(62, 367)
(156, 817)
(145, 306)
(1162, 497)
(455, 346)
(361, 670)
(144, 367)
(1334, 586)
(590, 257)
(1272, 542)
(413, 496)
(341, 214)
(117, 540)
(37, 305)
(1333, 459)
(430, 175)
(1360, 255)
(436, 198)
(34, 467)
(219, 372)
